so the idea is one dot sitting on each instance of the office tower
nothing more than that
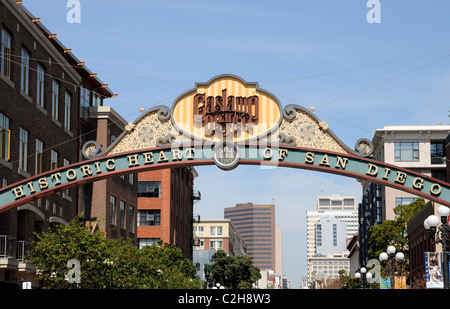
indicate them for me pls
(256, 225)
(328, 227)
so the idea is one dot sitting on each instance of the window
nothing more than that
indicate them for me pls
(23, 149)
(122, 214)
(97, 100)
(25, 71)
(198, 230)
(149, 217)
(40, 85)
(406, 152)
(437, 153)
(404, 200)
(215, 230)
(5, 137)
(5, 54)
(55, 99)
(112, 205)
(66, 163)
(149, 189)
(318, 234)
(39, 157)
(324, 202)
(53, 160)
(67, 101)
(334, 235)
(85, 98)
(147, 242)
(216, 244)
(130, 218)
(131, 179)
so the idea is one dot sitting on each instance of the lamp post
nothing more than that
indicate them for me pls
(389, 259)
(440, 235)
(363, 275)
(218, 286)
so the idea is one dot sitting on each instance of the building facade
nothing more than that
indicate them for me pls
(324, 268)
(165, 208)
(419, 242)
(328, 229)
(256, 225)
(218, 234)
(41, 82)
(330, 236)
(211, 235)
(111, 202)
(419, 148)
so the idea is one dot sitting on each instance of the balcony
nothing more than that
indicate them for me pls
(8, 252)
(196, 195)
(22, 249)
(7, 247)
(196, 219)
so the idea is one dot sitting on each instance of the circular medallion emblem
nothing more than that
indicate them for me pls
(226, 155)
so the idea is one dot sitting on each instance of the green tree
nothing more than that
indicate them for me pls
(106, 263)
(393, 232)
(232, 272)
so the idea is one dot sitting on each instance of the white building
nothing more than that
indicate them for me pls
(419, 148)
(335, 209)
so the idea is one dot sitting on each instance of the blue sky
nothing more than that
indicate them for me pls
(322, 53)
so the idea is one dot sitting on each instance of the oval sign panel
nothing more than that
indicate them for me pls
(226, 107)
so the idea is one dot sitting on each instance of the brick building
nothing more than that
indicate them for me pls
(113, 201)
(165, 207)
(45, 92)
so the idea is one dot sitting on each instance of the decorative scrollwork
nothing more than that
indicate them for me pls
(151, 130)
(307, 131)
(166, 140)
(286, 140)
(364, 147)
(91, 149)
(164, 113)
(289, 112)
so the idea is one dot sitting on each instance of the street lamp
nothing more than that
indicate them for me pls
(440, 235)
(363, 275)
(389, 259)
(218, 286)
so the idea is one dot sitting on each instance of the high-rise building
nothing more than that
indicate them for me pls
(328, 228)
(343, 208)
(256, 225)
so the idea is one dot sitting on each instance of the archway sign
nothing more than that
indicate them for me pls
(225, 121)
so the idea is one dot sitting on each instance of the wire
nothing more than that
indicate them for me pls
(78, 86)
(116, 73)
(384, 81)
(357, 127)
(90, 132)
(355, 69)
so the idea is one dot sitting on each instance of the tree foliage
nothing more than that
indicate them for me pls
(107, 263)
(393, 232)
(232, 272)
